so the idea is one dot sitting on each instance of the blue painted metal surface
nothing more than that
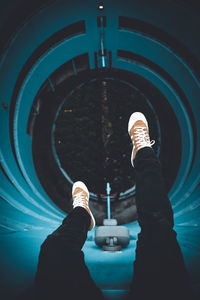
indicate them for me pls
(108, 200)
(27, 213)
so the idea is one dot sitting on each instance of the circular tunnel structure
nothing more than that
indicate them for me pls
(58, 60)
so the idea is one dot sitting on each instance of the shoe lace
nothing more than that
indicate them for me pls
(142, 137)
(80, 200)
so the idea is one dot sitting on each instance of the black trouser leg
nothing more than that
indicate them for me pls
(159, 270)
(61, 272)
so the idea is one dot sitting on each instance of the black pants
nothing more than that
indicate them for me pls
(159, 270)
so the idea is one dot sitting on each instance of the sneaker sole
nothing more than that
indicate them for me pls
(80, 184)
(136, 116)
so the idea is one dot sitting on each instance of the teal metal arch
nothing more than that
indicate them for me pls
(26, 209)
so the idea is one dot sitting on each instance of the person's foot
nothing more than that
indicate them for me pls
(139, 133)
(80, 195)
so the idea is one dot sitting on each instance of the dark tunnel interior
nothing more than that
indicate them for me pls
(71, 75)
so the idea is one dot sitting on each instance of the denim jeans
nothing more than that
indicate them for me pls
(159, 270)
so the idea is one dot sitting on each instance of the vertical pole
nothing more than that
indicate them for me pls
(103, 58)
(108, 199)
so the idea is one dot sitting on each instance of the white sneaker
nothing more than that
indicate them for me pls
(139, 133)
(80, 196)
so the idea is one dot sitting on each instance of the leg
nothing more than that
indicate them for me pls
(152, 201)
(159, 270)
(62, 272)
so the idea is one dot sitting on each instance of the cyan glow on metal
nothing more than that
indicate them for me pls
(39, 82)
(108, 200)
(102, 49)
(118, 62)
(23, 202)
